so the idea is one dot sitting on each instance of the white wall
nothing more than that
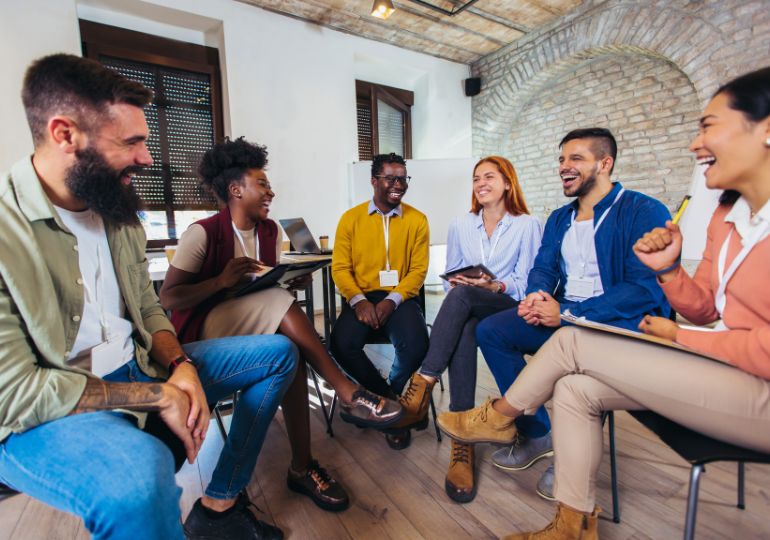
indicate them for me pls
(288, 84)
(28, 30)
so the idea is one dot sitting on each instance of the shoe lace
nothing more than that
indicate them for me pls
(371, 400)
(319, 475)
(461, 453)
(411, 390)
(518, 440)
(483, 412)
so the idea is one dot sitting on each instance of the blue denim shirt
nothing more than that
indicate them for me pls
(630, 288)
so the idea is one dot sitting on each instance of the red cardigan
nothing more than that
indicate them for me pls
(220, 248)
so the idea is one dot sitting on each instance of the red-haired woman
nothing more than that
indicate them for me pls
(499, 233)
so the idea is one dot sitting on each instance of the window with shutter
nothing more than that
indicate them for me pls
(184, 120)
(384, 120)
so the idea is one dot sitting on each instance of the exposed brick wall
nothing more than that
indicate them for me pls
(649, 105)
(643, 69)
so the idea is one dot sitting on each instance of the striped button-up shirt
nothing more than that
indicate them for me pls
(509, 253)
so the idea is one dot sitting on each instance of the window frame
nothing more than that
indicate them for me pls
(104, 40)
(369, 93)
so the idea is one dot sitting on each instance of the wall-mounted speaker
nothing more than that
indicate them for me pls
(472, 86)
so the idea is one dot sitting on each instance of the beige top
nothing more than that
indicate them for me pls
(191, 250)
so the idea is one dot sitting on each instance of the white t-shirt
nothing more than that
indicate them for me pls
(578, 250)
(101, 291)
(191, 249)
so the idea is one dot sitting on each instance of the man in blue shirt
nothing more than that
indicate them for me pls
(585, 265)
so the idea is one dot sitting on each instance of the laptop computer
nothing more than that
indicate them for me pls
(302, 241)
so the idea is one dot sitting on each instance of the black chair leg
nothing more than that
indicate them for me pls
(435, 424)
(610, 416)
(220, 423)
(692, 501)
(441, 382)
(741, 485)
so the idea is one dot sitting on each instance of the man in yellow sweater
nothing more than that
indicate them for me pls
(379, 264)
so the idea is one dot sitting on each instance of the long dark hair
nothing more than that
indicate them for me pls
(749, 94)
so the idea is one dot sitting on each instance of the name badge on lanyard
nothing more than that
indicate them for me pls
(107, 356)
(388, 277)
(579, 286)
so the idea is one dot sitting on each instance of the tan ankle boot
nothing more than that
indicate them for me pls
(460, 483)
(567, 525)
(482, 424)
(415, 401)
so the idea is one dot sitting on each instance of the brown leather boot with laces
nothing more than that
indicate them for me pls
(482, 424)
(568, 524)
(460, 483)
(415, 401)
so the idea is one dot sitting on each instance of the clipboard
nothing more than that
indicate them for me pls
(641, 336)
(473, 271)
(277, 275)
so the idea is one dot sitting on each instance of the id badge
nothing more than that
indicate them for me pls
(580, 287)
(106, 357)
(388, 278)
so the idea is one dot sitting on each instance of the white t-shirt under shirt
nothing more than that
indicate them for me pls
(578, 250)
(101, 292)
(191, 250)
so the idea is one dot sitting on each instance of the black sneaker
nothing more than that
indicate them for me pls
(322, 489)
(237, 523)
(370, 410)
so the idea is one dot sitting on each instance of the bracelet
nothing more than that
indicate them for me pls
(668, 269)
(176, 362)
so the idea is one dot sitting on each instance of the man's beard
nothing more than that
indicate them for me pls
(93, 181)
(586, 186)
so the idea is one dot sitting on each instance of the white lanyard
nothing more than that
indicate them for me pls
(239, 236)
(598, 224)
(386, 228)
(98, 295)
(720, 299)
(604, 215)
(494, 244)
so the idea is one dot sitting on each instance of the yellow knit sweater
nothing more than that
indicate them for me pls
(359, 251)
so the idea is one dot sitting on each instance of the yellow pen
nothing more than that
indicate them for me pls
(681, 209)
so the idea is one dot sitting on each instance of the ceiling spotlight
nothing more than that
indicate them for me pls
(382, 9)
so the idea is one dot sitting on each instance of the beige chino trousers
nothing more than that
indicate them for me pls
(587, 372)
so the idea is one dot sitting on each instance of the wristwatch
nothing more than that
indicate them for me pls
(176, 362)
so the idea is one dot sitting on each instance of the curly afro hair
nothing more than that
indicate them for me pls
(227, 162)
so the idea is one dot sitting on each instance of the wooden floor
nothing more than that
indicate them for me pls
(400, 495)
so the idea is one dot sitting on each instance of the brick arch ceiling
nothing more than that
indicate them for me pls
(661, 32)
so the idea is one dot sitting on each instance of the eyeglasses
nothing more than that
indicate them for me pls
(391, 180)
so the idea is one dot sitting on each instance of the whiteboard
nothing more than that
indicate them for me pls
(696, 217)
(440, 189)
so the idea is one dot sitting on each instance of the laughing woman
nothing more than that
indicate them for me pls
(216, 254)
(499, 233)
(587, 372)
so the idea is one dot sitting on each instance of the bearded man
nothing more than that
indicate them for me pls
(585, 265)
(86, 351)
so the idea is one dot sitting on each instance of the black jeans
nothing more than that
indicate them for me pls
(453, 340)
(405, 329)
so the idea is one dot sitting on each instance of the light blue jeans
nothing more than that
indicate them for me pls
(119, 479)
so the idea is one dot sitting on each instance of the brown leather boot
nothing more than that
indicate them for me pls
(460, 483)
(415, 401)
(482, 424)
(567, 525)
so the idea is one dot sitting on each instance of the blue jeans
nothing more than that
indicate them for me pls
(119, 479)
(504, 339)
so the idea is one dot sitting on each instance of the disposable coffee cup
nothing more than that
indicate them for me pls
(324, 242)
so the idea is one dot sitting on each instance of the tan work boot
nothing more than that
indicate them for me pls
(460, 483)
(482, 424)
(567, 525)
(415, 401)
